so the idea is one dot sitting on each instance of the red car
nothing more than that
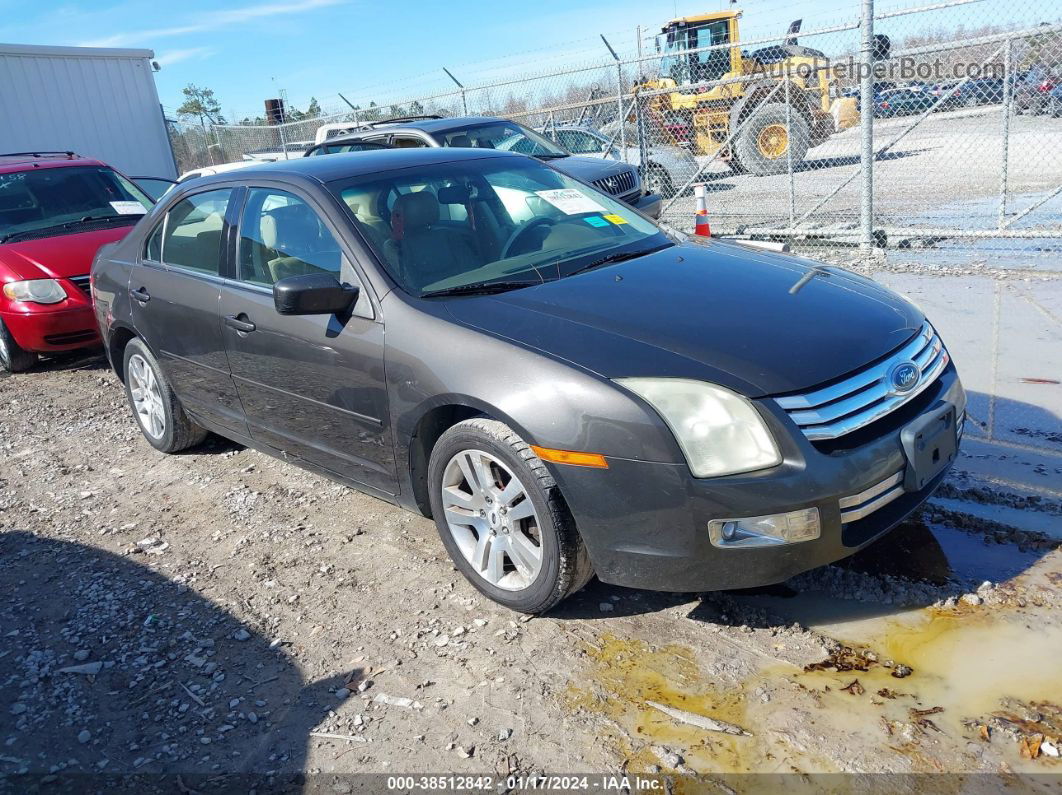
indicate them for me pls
(56, 210)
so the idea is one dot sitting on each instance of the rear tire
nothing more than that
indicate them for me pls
(13, 358)
(156, 408)
(762, 145)
(502, 520)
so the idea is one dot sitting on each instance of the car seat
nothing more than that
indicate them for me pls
(425, 252)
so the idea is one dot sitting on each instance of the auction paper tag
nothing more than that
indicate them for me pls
(616, 219)
(570, 201)
(596, 220)
(128, 208)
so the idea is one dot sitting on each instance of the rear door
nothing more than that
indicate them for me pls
(175, 289)
(312, 385)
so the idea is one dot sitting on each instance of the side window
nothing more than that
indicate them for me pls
(282, 236)
(408, 142)
(193, 230)
(578, 142)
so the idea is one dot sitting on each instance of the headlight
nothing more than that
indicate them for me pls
(719, 431)
(38, 291)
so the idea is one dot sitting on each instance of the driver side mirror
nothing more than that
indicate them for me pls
(313, 294)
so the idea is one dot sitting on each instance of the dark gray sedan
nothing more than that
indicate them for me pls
(564, 387)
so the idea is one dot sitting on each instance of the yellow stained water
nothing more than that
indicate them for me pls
(965, 662)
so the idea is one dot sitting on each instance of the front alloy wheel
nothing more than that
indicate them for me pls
(492, 520)
(502, 519)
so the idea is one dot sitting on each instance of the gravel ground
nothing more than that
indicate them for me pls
(222, 612)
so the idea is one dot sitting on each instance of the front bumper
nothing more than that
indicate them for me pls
(648, 203)
(645, 524)
(55, 330)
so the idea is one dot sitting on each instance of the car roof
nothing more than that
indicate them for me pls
(355, 164)
(11, 162)
(420, 125)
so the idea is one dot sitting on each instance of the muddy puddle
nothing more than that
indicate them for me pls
(974, 687)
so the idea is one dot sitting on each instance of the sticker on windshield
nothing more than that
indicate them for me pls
(128, 208)
(616, 219)
(596, 220)
(570, 201)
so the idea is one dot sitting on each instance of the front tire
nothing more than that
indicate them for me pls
(658, 181)
(13, 358)
(502, 520)
(157, 410)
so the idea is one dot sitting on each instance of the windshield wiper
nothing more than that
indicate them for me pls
(479, 288)
(550, 156)
(619, 256)
(37, 231)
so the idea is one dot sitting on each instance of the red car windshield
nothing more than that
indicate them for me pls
(65, 200)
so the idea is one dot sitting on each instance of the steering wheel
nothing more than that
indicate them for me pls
(522, 230)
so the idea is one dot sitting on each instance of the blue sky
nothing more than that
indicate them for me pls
(246, 51)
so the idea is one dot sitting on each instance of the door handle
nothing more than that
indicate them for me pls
(243, 326)
(140, 294)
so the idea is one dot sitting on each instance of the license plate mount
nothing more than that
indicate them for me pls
(930, 444)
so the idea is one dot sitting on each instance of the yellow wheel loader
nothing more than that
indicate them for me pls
(702, 96)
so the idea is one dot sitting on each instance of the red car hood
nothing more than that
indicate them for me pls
(59, 257)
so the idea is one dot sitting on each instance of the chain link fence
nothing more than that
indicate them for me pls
(928, 136)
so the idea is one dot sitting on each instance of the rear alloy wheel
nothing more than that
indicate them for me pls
(764, 142)
(157, 410)
(501, 518)
(12, 357)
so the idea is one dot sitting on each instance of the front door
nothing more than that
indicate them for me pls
(311, 385)
(175, 288)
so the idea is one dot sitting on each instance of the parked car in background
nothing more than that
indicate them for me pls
(1054, 102)
(486, 132)
(220, 168)
(983, 91)
(56, 210)
(564, 387)
(902, 102)
(667, 168)
(1033, 90)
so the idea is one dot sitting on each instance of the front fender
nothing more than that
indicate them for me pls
(432, 361)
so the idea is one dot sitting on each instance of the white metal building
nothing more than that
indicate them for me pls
(97, 102)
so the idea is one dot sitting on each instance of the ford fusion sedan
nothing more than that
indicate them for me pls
(56, 210)
(566, 389)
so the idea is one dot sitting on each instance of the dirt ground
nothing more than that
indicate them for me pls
(223, 612)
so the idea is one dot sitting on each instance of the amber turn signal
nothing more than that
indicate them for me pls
(570, 457)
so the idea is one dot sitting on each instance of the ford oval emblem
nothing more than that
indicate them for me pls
(903, 377)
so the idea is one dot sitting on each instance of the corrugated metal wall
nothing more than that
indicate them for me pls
(98, 102)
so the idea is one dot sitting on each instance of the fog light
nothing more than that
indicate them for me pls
(762, 531)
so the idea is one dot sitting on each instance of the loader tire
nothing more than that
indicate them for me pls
(761, 146)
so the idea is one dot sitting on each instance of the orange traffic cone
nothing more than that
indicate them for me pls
(702, 228)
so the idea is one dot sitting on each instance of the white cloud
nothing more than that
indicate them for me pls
(210, 21)
(175, 56)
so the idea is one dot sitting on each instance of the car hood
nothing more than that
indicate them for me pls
(759, 323)
(58, 257)
(588, 169)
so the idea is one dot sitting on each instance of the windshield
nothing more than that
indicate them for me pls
(496, 223)
(508, 136)
(43, 198)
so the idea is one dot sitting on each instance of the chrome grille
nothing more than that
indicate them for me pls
(617, 184)
(82, 283)
(859, 400)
